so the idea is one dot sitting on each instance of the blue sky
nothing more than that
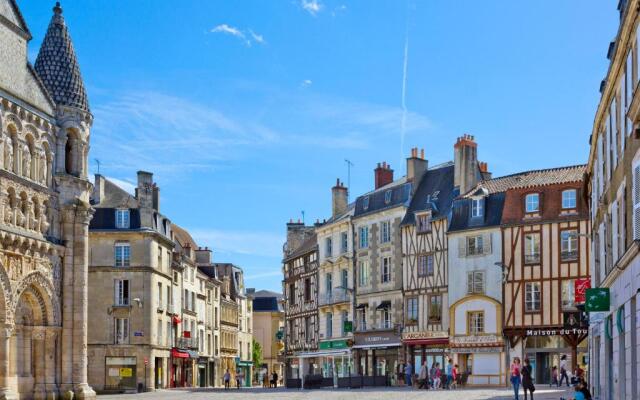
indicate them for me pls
(246, 110)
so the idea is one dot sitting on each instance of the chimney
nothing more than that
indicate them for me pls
(144, 195)
(204, 255)
(338, 198)
(484, 170)
(156, 197)
(297, 233)
(466, 163)
(98, 189)
(416, 167)
(383, 175)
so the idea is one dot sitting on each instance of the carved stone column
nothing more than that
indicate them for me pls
(50, 362)
(39, 362)
(5, 353)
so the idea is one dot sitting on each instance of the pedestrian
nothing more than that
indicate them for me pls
(227, 379)
(563, 370)
(554, 376)
(437, 381)
(274, 379)
(423, 377)
(515, 376)
(408, 372)
(454, 377)
(527, 379)
(265, 378)
(449, 373)
(238, 379)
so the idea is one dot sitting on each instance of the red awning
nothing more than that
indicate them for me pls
(179, 354)
(176, 320)
(427, 342)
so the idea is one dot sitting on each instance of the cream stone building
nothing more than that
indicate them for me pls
(45, 125)
(132, 287)
(268, 331)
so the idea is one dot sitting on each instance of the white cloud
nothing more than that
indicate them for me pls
(313, 7)
(247, 37)
(255, 243)
(338, 10)
(261, 275)
(306, 82)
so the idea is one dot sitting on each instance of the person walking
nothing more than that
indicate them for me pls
(563, 370)
(274, 379)
(527, 379)
(423, 377)
(437, 377)
(515, 376)
(227, 379)
(449, 373)
(239, 376)
(554, 376)
(408, 373)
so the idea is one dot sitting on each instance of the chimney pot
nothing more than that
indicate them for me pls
(383, 175)
(422, 154)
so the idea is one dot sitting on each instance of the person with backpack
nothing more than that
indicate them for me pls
(527, 379)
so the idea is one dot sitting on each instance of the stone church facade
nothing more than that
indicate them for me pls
(45, 124)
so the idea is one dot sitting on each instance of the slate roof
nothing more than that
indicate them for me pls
(183, 237)
(535, 178)
(400, 195)
(58, 67)
(435, 192)
(115, 196)
(267, 301)
(461, 213)
(208, 270)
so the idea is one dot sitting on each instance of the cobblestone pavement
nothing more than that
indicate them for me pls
(543, 393)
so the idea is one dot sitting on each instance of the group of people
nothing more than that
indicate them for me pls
(521, 375)
(432, 378)
(240, 376)
(270, 383)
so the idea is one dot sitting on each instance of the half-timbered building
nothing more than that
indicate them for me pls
(545, 248)
(300, 268)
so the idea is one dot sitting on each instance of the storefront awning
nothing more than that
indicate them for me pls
(384, 305)
(376, 346)
(175, 353)
(362, 306)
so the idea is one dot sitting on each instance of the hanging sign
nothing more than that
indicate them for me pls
(597, 299)
(581, 286)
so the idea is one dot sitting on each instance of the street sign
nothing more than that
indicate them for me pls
(347, 326)
(597, 299)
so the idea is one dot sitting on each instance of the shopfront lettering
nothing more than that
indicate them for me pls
(425, 335)
(554, 332)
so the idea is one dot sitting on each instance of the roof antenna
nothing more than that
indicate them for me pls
(98, 163)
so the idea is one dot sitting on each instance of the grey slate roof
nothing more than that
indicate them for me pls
(435, 192)
(58, 67)
(492, 214)
(400, 195)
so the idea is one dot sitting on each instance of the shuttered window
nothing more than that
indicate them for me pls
(475, 282)
(636, 201)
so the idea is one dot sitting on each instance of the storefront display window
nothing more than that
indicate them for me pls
(120, 372)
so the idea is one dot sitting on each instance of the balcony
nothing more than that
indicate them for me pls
(336, 296)
(187, 343)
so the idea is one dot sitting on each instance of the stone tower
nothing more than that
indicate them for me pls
(45, 125)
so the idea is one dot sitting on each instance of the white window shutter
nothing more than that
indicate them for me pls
(486, 243)
(636, 202)
(462, 247)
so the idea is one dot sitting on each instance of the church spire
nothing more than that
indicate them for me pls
(57, 65)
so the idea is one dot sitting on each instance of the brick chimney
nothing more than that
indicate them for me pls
(339, 198)
(466, 163)
(98, 189)
(383, 175)
(416, 167)
(484, 170)
(204, 255)
(297, 233)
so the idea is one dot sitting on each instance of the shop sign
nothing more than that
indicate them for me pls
(280, 335)
(334, 344)
(597, 299)
(377, 339)
(575, 320)
(554, 332)
(469, 350)
(425, 335)
(434, 350)
(347, 326)
(476, 340)
(120, 361)
(581, 286)
(126, 372)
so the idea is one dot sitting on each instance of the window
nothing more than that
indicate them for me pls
(365, 203)
(568, 295)
(532, 297)
(328, 247)
(386, 270)
(425, 265)
(121, 292)
(344, 240)
(344, 318)
(387, 197)
(424, 222)
(474, 245)
(307, 328)
(122, 219)
(160, 295)
(475, 282)
(569, 245)
(345, 279)
(476, 322)
(168, 299)
(477, 208)
(292, 294)
(386, 318)
(435, 309)
(385, 232)
(159, 329)
(307, 289)
(121, 330)
(532, 202)
(531, 248)
(364, 237)
(159, 256)
(569, 199)
(329, 326)
(412, 310)
(362, 319)
(636, 197)
(122, 254)
(328, 283)
(363, 273)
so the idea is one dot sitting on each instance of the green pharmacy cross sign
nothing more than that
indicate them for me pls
(347, 326)
(597, 299)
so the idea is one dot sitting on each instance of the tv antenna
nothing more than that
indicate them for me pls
(349, 165)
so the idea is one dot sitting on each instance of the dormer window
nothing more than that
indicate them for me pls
(387, 197)
(365, 203)
(569, 199)
(532, 202)
(122, 219)
(423, 222)
(477, 208)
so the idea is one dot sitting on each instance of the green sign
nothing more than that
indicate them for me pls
(334, 344)
(597, 299)
(347, 326)
(279, 335)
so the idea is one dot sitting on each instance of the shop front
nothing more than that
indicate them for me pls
(120, 373)
(243, 368)
(429, 346)
(378, 357)
(336, 363)
(480, 359)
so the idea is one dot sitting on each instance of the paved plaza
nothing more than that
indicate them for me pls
(543, 393)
